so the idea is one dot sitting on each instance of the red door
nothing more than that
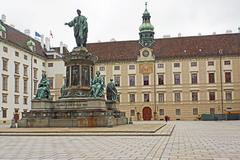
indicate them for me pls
(147, 113)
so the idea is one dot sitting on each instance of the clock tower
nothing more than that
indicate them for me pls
(146, 30)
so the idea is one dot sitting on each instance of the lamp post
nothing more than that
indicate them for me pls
(221, 81)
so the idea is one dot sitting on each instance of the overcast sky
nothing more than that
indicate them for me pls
(120, 19)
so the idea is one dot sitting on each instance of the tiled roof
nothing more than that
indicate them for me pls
(208, 45)
(20, 39)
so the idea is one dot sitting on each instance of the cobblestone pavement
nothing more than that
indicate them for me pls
(189, 140)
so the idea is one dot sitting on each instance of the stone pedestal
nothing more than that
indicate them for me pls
(75, 108)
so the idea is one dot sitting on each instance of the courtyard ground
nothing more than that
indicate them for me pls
(216, 140)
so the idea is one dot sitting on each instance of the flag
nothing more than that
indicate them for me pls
(37, 34)
(51, 34)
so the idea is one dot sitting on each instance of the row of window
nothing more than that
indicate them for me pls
(5, 49)
(25, 84)
(177, 111)
(17, 68)
(177, 96)
(16, 99)
(176, 76)
(161, 65)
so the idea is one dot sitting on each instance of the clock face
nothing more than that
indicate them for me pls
(145, 53)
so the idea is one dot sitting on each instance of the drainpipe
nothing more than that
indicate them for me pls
(154, 90)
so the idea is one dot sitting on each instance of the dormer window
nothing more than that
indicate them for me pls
(2, 31)
(31, 45)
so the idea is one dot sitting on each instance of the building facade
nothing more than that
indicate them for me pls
(181, 77)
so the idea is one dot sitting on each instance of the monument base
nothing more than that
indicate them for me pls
(73, 112)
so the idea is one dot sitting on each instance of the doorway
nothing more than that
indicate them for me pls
(147, 113)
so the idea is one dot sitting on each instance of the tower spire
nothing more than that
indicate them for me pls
(146, 30)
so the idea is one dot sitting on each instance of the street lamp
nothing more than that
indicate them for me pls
(221, 83)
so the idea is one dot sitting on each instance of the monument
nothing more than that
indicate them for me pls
(82, 102)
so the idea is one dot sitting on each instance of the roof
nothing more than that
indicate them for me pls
(20, 39)
(208, 45)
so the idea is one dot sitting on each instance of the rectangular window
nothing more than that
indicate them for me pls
(228, 78)
(16, 99)
(50, 64)
(212, 96)
(131, 67)
(177, 97)
(35, 87)
(228, 95)
(43, 64)
(161, 112)
(5, 64)
(211, 77)
(177, 79)
(25, 100)
(25, 86)
(178, 111)
(193, 64)
(101, 68)
(5, 49)
(16, 84)
(176, 65)
(194, 78)
(227, 62)
(117, 80)
(4, 83)
(35, 61)
(160, 65)
(161, 97)
(25, 57)
(25, 70)
(16, 54)
(16, 68)
(116, 68)
(210, 63)
(212, 110)
(195, 111)
(50, 82)
(132, 98)
(194, 96)
(4, 98)
(146, 80)
(35, 73)
(160, 79)
(4, 113)
(131, 80)
(132, 112)
(146, 97)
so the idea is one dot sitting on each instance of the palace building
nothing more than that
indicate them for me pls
(181, 77)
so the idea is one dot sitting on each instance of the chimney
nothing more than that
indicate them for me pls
(238, 29)
(47, 43)
(42, 41)
(3, 18)
(214, 33)
(179, 35)
(167, 36)
(27, 32)
(199, 34)
(228, 31)
(61, 47)
(12, 25)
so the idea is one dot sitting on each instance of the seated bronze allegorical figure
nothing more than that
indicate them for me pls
(111, 91)
(97, 86)
(43, 91)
